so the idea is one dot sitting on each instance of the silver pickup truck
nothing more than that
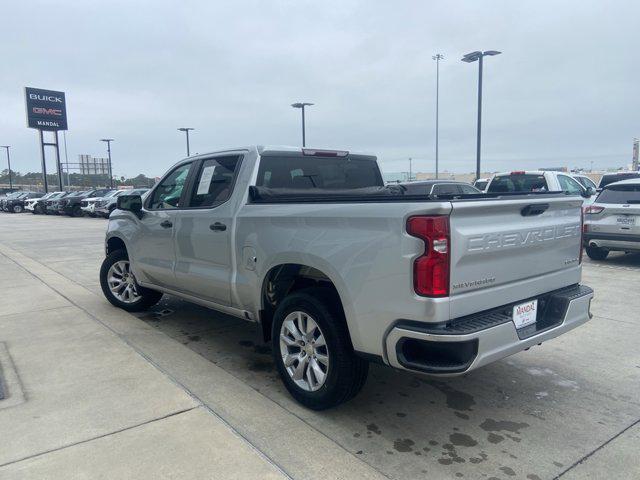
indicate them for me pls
(339, 270)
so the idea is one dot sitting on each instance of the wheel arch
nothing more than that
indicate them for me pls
(114, 243)
(287, 277)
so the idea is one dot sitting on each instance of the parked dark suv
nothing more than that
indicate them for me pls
(17, 203)
(72, 204)
(50, 205)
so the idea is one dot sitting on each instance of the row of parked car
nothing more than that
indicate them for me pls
(95, 203)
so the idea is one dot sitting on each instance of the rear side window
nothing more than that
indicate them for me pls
(446, 189)
(620, 194)
(302, 172)
(214, 182)
(518, 183)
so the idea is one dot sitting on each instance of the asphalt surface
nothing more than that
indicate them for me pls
(569, 408)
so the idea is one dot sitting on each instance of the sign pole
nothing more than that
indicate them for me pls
(58, 166)
(44, 164)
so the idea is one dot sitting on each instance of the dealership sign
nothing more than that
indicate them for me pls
(46, 109)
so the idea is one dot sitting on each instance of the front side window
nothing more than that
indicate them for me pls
(569, 185)
(167, 194)
(214, 182)
(468, 189)
(586, 182)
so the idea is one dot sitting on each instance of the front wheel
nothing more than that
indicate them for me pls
(119, 284)
(76, 211)
(17, 209)
(595, 253)
(313, 352)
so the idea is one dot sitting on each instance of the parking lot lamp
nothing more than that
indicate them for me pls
(186, 131)
(301, 106)
(437, 57)
(9, 164)
(470, 58)
(108, 142)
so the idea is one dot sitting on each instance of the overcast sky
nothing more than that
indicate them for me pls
(565, 91)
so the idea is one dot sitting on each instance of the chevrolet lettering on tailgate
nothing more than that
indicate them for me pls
(517, 238)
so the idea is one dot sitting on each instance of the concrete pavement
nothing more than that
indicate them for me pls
(567, 409)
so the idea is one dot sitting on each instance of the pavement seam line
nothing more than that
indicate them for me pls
(588, 455)
(166, 374)
(80, 442)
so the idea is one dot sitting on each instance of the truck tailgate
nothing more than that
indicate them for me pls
(512, 249)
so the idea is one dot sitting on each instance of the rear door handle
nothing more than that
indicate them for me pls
(166, 224)
(218, 227)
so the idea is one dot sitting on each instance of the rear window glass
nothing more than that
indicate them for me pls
(620, 194)
(319, 172)
(518, 183)
(616, 177)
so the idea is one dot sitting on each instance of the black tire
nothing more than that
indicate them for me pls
(18, 209)
(148, 297)
(347, 372)
(595, 253)
(76, 211)
(37, 209)
(111, 209)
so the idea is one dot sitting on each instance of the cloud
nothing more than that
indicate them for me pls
(562, 93)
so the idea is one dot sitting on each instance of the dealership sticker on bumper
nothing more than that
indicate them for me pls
(525, 314)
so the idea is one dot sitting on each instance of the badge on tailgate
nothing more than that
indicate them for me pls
(525, 313)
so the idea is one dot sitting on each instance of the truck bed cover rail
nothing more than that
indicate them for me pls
(390, 193)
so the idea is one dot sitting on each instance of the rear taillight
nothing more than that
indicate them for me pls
(431, 269)
(593, 209)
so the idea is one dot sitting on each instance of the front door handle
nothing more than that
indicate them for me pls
(218, 227)
(166, 224)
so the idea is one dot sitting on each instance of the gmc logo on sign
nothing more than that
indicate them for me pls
(47, 111)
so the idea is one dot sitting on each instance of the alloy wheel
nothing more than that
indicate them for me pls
(304, 351)
(122, 283)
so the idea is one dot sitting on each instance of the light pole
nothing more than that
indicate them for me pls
(410, 169)
(437, 57)
(301, 106)
(9, 164)
(470, 58)
(108, 142)
(186, 131)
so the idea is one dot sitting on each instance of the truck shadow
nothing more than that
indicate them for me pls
(493, 421)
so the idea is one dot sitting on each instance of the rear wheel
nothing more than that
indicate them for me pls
(596, 253)
(313, 351)
(76, 211)
(120, 287)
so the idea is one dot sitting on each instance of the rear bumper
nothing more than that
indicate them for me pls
(471, 342)
(612, 241)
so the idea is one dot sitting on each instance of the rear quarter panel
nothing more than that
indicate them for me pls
(362, 248)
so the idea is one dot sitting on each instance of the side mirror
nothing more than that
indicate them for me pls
(130, 203)
(587, 192)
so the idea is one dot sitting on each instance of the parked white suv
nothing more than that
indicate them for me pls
(612, 222)
(539, 181)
